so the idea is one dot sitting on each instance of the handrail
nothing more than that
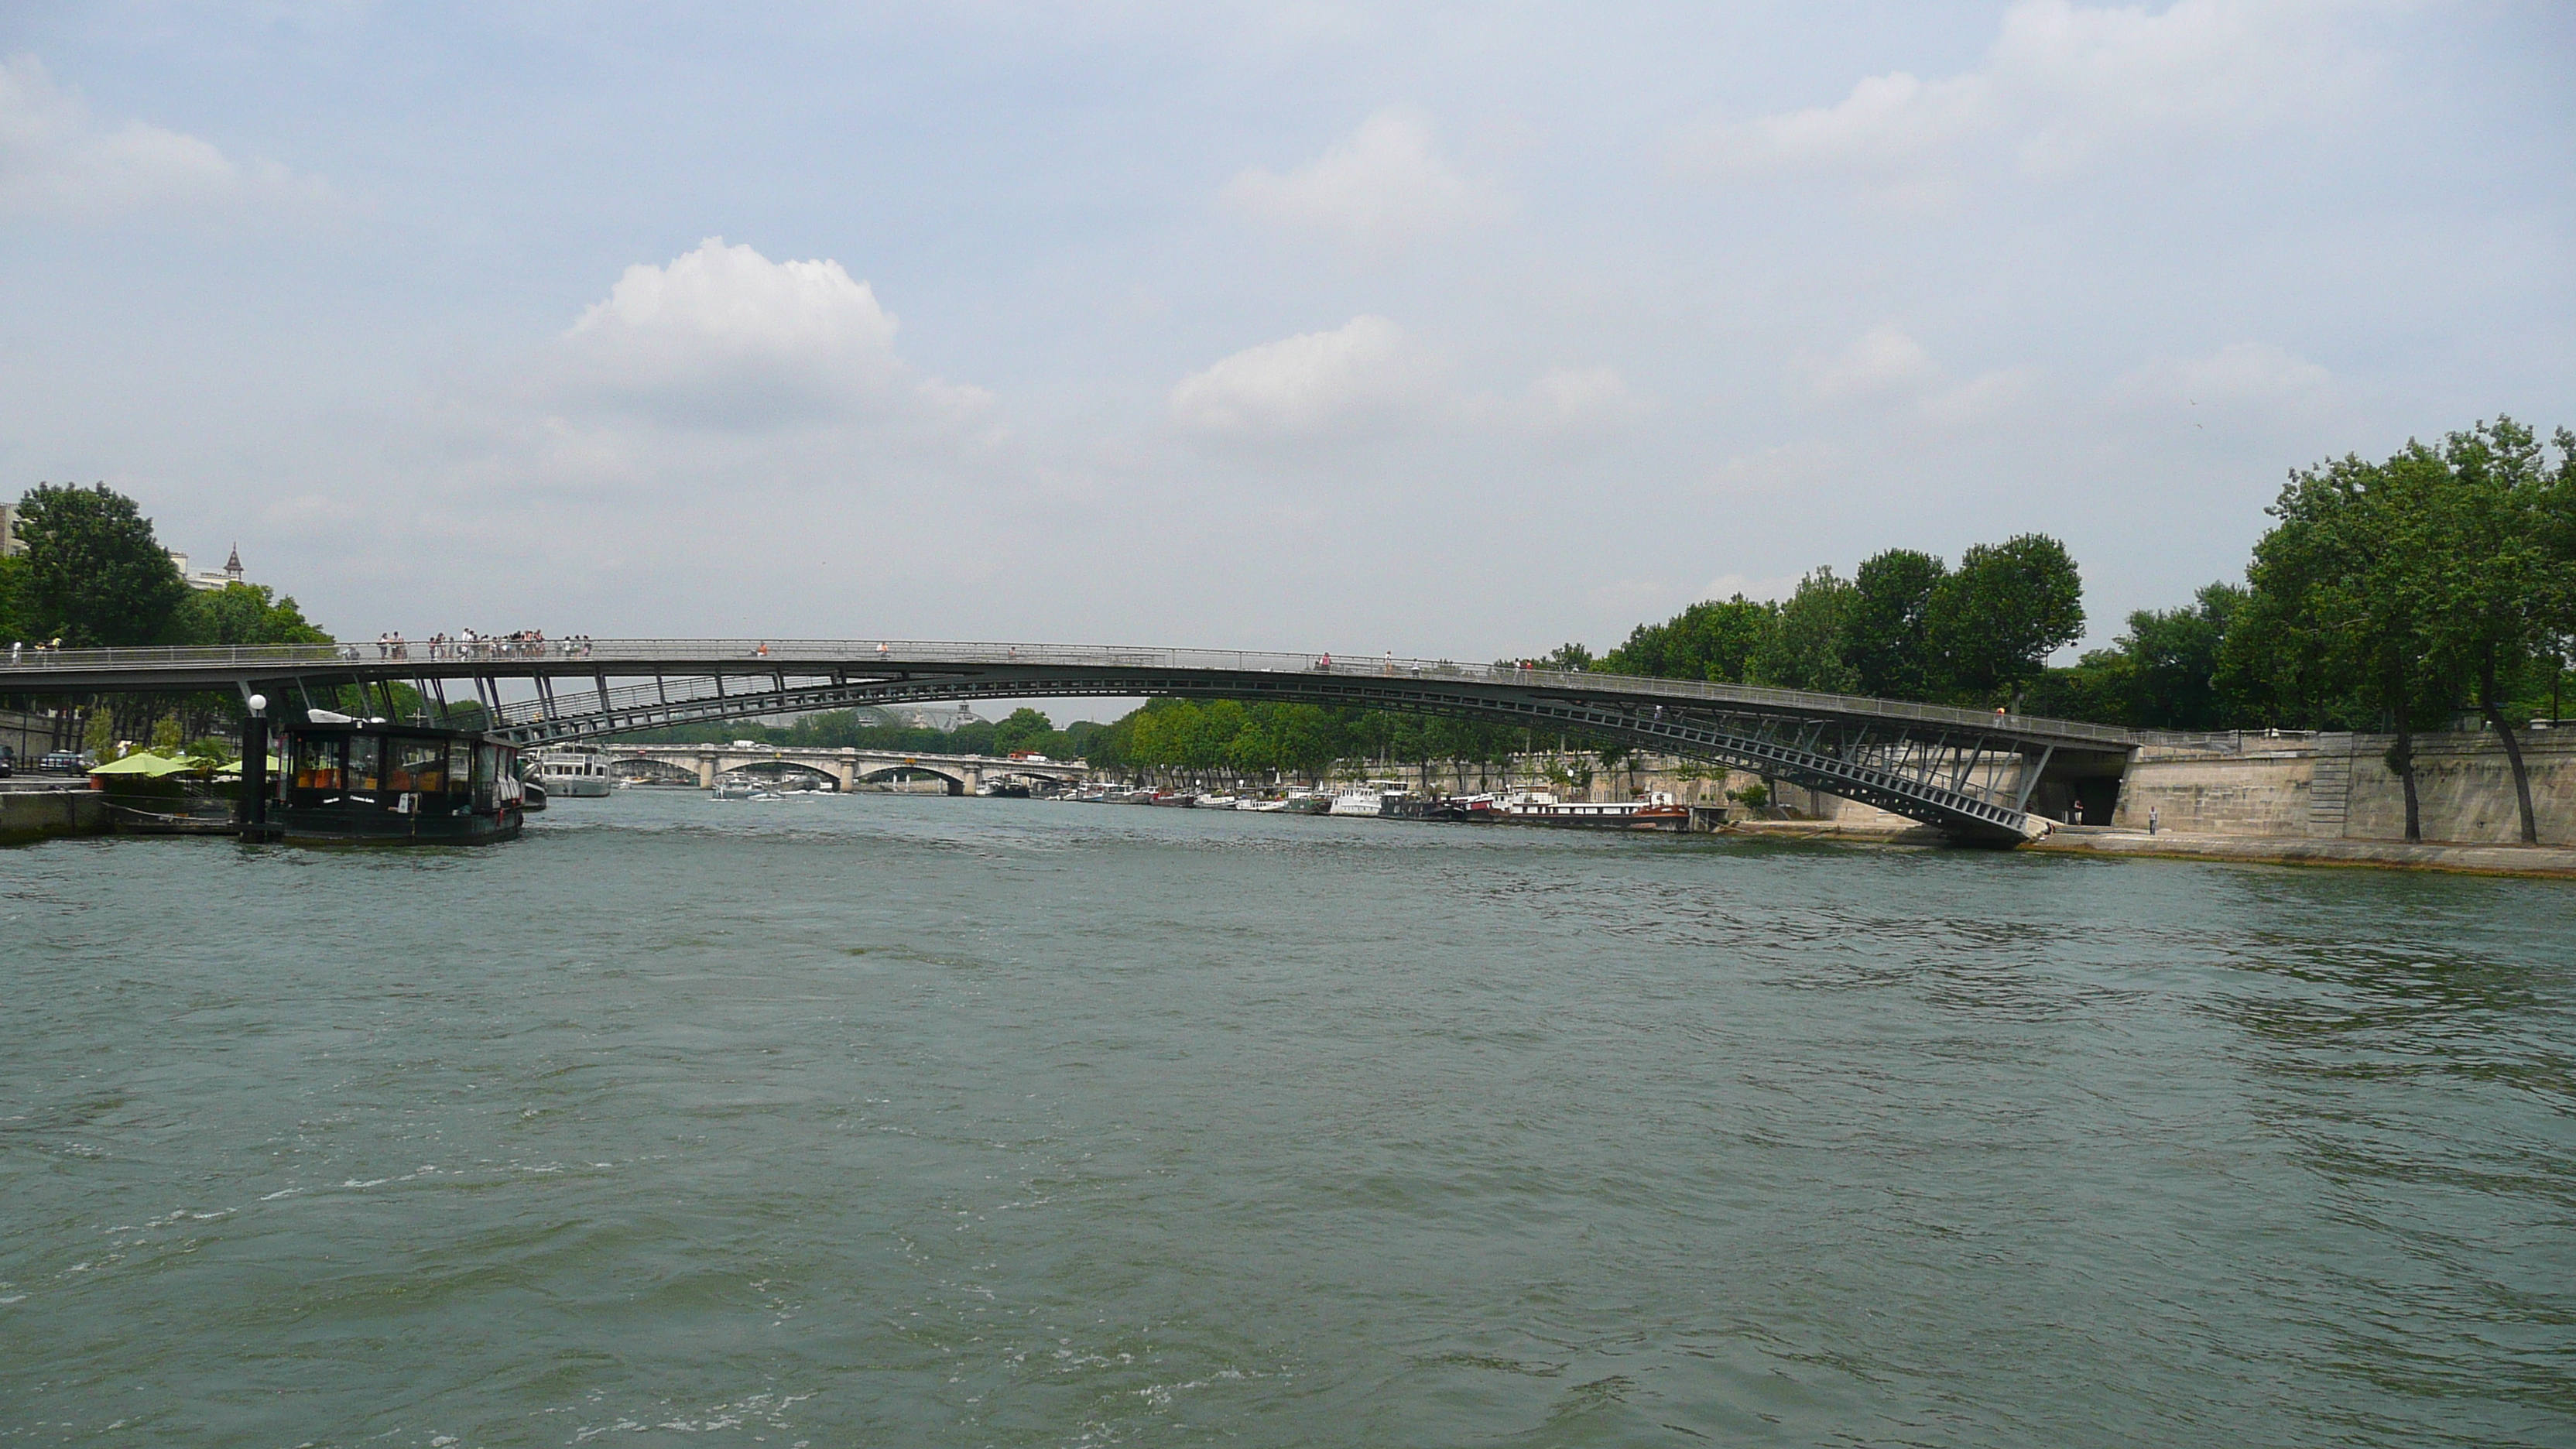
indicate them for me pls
(26, 671)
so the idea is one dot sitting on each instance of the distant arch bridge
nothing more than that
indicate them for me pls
(1969, 774)
(846, 768)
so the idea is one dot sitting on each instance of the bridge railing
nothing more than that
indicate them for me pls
(25, 672)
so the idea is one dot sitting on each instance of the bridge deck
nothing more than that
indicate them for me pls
(85, 671)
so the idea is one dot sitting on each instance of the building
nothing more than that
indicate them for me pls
(231, 574)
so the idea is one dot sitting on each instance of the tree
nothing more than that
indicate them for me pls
(241, 614)
(1711, 640)
(2173, 660)
(1023, 729)
(13, 583)
(1994, 621)
(2495, 584)
(2337, 596)
(1804, 646)
(95, 576)
(1890, 648)
(1573, 658)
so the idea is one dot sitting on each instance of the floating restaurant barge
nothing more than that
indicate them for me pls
(371, 781)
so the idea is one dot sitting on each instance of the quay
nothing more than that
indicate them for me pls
(49, 808)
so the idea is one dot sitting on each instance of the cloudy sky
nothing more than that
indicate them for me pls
(1446, 329)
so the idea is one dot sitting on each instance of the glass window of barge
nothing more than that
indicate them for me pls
(366, 759)
(417, 765)
(317, 762)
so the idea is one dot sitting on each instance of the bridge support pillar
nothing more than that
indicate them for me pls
(707, 770)
(846, 770)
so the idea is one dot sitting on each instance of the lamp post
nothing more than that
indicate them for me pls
(252, 809)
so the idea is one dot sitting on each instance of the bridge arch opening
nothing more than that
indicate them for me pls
(897, 776)
(791, 773)
(643, 771)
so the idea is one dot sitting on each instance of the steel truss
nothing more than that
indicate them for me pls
(1932, 780)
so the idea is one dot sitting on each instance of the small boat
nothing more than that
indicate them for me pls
(1307, 802)
(1655, 810)
(573, 772)
(734, 787)
(1176, 800)
(1218, 802)
(1367, 798)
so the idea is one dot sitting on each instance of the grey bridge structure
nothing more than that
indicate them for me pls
(1967, 773)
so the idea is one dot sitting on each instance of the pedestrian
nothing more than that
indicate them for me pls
(2151, 820)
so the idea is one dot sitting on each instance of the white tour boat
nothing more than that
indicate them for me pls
(573, 772)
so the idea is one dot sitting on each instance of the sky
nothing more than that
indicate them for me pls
(1452, 330)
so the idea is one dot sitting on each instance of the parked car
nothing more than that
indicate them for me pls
(67, 762)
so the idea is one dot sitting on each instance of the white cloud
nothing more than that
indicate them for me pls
(2246, 370)
(1783, 468)
(2237, 383)
(723, 337)
(57, 161)
(1383, 188)
(2062, 84)
(1880, 361)
(1363, 376)
(1568, 402)
(1886, 369)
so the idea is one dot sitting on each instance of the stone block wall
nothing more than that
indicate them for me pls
(2339, 787)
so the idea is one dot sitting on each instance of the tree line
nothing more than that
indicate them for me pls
(2392, 596)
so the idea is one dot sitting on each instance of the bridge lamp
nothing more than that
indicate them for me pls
(258, 706)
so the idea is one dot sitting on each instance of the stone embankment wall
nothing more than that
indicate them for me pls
(2339, 787)
(38, 814)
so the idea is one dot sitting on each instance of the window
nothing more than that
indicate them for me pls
(366, 758)
(460, 767)
(417, 765)
(317, 762)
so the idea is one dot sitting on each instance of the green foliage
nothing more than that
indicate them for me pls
(1711, 641)
(1568, 657)
(1303, 740)
(94, 576)
(241, 614)
(1994, 621)
(13, 583)
(1890, 643)
(1804, 647)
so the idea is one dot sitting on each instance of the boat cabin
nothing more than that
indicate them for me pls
(377, 781)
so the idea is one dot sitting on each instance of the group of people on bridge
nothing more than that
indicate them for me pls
(466, 644)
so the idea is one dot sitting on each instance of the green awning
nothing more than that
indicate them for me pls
(146, 764)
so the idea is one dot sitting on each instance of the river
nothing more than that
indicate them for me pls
(904, 1120)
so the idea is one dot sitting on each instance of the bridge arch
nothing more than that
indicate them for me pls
(778, 772)
(958, 783)
(645, 770)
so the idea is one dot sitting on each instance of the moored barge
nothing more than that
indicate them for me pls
(372, 781)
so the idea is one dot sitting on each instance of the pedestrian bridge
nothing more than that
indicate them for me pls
(846, 768)
(1968, 773)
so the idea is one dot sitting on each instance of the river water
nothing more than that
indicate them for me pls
(903, 1120)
